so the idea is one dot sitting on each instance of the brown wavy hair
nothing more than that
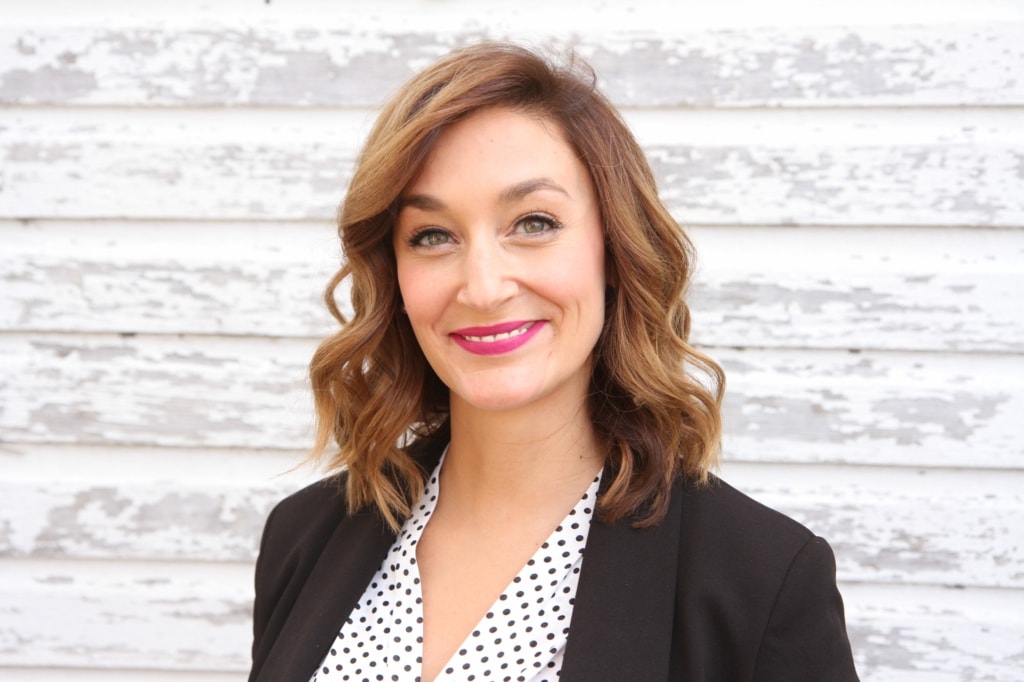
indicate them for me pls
(654, 400)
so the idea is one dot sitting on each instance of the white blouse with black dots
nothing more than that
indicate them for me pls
(521, 638)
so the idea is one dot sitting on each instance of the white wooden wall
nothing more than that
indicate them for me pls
(853, 174)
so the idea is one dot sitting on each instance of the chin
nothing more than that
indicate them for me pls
(498, 403)
(505, 398)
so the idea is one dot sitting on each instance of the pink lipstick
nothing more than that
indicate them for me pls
(497, 339)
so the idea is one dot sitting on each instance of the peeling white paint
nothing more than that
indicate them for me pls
(905, 633)
(231, 166)
(335, 62)
(969, 537)
(884, 289)
(874, 408)
(853, 172)
(783, 405)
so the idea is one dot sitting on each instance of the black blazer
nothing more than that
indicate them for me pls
(723, 589)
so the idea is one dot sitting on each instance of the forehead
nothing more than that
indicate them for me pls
(503, 146)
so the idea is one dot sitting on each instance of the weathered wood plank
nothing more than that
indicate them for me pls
(855, 288)
(795, 133)
(175, 616)
(873, 408)
(859, 408)
(347, 60)
(940, 169)
(249, 393)
(46, 674)
(904, 633)
(863, 288)
(194, 617)
(518, 15)
(901, 525)
(246, 279)
(886, 524)
(141, 504)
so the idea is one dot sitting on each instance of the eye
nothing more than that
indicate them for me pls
(431, 236)
(536, 223)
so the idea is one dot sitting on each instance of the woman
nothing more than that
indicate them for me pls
(524, 435)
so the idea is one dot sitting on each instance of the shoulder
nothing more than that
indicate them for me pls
(732, 542)
(733, 519)
(305, 519)
(295, 534)
(301, 524)
(761, 581)
(309, 512)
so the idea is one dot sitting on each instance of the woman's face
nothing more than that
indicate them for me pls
(501, 263)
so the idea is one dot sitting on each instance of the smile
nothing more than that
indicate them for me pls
(498, 339)
(491, 338)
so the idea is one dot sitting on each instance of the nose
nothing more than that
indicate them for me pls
(487, 281)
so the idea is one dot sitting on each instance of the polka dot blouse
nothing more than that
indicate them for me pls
(521, 638)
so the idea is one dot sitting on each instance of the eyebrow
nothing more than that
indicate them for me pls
(428, 202)
(528, 187)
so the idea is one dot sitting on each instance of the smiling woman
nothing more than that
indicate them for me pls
(522, 485)
(503, 276)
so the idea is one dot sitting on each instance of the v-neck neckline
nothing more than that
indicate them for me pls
(535, 608)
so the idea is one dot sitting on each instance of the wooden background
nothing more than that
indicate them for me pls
(853, 174)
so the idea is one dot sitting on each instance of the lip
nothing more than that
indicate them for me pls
(479, 346)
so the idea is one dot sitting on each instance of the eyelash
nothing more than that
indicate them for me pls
(416, 240)
(551, 221)
(417, 237)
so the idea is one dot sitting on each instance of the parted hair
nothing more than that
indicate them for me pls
(654, 400)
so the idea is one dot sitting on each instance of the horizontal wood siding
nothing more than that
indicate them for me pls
(250, 392)
(209, 505)
(303, 64)
(197, 620)
(774, 168)
(866, 288)
(851, 174)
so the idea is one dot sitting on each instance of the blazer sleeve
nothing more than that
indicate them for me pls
(806, 640)
(293, 538)
(264, 602)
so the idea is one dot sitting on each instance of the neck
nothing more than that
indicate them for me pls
(518, 458)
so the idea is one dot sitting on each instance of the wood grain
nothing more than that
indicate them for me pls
(45, 673)
(213, 391)
(749, 168)
(180, 616)
(822, 406)
(209, 506)
(348, 61)
(872, 516)
(873, 408)
(168, 181)
(142, 504)
(844, 288)
(904, 633)
(875, 288)
(195, 617)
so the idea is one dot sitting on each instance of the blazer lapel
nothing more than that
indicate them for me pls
(623, 614)
(337, 581)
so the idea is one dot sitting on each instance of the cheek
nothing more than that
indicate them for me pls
(591, 271)
(421, 295)
(579, 288)
(594, 285)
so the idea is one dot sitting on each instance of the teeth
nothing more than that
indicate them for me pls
(491, 338)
